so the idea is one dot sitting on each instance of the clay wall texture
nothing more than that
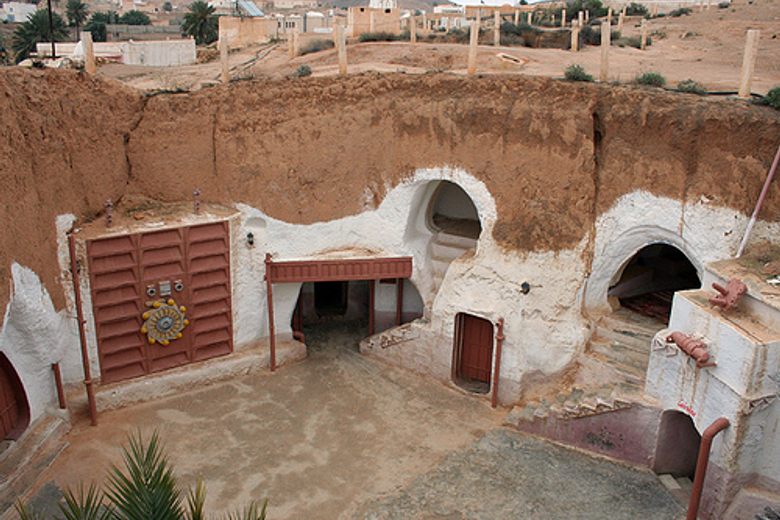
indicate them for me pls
(554, 155)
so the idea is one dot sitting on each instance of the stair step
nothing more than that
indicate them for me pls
(446, 251)
(669, 482)
(620, 353)
(455, 240)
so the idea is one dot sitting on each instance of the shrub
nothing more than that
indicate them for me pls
(691, 87)
(576, 73)
(724, 5)
(651, 79)
(635, 9)
(318, 45)
(680, 12)
(302, 71)
(591, 35)
(378, 37)
(630, 41)
(772, 98)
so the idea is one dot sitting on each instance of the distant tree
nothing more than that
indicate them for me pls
(97, 25)
(167, 7)
(76, 11)
(200, 23)
(36, 29)
(135, 17)
(3, 53)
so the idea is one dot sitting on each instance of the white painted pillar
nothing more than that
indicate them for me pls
(643, 38)
(473, 40)
(530, 18)
(341, 46)
(413, 29)
(749, 62)
(581, 18)
(223, 59)
(563, 18)
(89, 52)
(620, 22)
(496, 28)
(575, 36)
(517, 16)
(606, 36)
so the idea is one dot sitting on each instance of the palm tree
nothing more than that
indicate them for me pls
(77, 12)
(145, 488)
(200, 23)
(36, 29)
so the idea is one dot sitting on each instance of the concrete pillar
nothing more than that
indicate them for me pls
(748, 62)
(223, 60)
(371, 21)
(517, 16)
(425, 23)
(581, 18)
(496, 28)
(296, 42)
(290, 45)
(341, 46)
(530, 17)
(643, 37)
(620, 22)
(654, 10)
(473, 40)
(606, 34)
(575, 36)
(708, 5)
(587, 16)
(553, 20)
(89, 52)
(413, 29)
(609, 16)
(479, 17)
(563, 18)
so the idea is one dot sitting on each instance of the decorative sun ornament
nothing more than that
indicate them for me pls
(164, 322)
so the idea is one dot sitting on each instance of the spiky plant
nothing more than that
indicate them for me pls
(144, 489)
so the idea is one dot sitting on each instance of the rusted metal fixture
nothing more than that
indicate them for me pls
(271, 326)
(55, 367)
(109, 213)
(196, 201)
(695, 348)
(730, 295)
(74, 269)
(701, 465)
(497, 364)
(759, 203)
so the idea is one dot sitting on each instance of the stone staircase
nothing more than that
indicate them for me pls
(578, 402)
(444, 248)
(623, 341)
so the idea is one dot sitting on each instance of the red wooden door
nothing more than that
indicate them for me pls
(476, 348)
(188, 264)
(14, 414)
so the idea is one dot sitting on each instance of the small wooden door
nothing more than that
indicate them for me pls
(14, 413)
(474, 348)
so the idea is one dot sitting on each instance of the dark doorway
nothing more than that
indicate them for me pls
(473, 353)
(14, 410)
(452, 211)
(650, 279)
(678, 445)
(330, 298)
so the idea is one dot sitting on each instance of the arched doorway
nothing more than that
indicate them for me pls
(452, 211)
(472, 358)
(678, 445)
(648, 281)
(14, 409)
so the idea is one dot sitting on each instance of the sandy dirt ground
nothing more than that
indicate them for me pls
(705, 46)
(343, 436)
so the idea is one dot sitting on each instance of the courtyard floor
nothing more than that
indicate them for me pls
(340, 435)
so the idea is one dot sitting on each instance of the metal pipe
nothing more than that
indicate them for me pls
(701, 465)
(55, 367)
(760, 202)
(271, 326)
(74, 270)
(497, 364)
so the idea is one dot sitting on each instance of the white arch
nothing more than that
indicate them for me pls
(609, 263)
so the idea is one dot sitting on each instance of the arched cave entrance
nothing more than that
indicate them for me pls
(472, 357)
(678, 446)
(649, 280)
(337, 314)
(452, 211)
(14, 408)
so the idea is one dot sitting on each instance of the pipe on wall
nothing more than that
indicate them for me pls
(701, 465)
(55, 367)
(74, 269)
(497, 364)
(759, 203)
(271, 325)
